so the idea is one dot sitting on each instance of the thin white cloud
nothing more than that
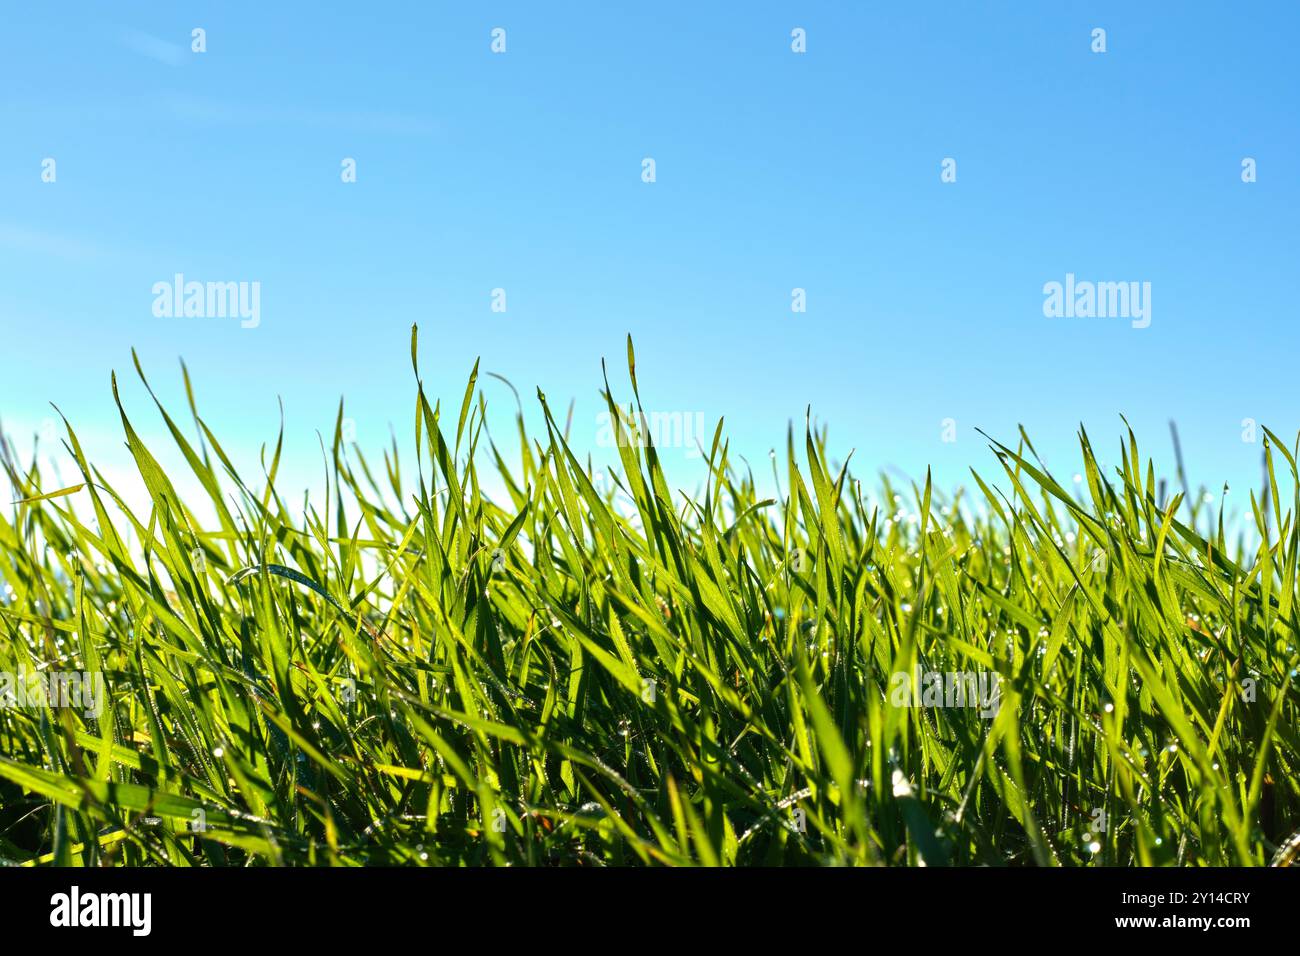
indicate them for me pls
(155, 48)
(23, 239)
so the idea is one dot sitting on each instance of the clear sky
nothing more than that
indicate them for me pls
(774, 170)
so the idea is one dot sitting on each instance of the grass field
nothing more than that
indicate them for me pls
(413, 674)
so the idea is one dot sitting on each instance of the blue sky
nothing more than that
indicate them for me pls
(774, 171)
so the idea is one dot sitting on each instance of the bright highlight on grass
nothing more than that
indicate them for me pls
(416, 675)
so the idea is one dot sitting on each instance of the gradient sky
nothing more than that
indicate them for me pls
(775, 170)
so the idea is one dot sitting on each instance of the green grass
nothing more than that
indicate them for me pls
(414, 674)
